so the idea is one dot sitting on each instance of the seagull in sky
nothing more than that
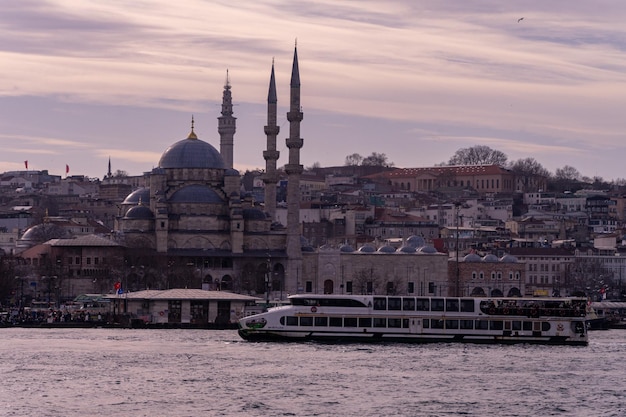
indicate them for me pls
(520, 19)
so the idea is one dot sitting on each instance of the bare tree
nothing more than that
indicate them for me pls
(478, 155)
(353, 160)
(529, 173)
(568, 173)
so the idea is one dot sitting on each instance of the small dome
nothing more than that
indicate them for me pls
(346, 248)
(472, 257)
(490, 258)
(45, 231)
(367, 248)
(139, 212)
(509, 259)
(191, 153)
(407, 249)
(387, 249)
(415, 241)
(139, 195)
(253, 214)
(196, 193)
(427, 249)
(231, 172)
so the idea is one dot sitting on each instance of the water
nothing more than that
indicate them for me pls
(124, 372)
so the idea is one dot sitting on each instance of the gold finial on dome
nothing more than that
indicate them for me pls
(192, 135)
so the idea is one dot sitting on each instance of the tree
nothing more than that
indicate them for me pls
(353, 160)
(530, 174)
(120, 174)
(316, 165)
(567, 173)
(377, 159)
(478, 155)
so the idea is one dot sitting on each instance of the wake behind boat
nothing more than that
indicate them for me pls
(369, 318)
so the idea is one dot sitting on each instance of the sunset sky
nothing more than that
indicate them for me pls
(83, 81)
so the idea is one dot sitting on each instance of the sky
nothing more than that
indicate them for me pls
(84, 81)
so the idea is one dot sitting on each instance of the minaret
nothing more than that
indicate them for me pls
(226, 125)
(109, 173)
(271, 154)
(294, 170)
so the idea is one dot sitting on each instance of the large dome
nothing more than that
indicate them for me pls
(191, 153)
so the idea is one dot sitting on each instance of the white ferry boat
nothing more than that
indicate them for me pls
(363, 318)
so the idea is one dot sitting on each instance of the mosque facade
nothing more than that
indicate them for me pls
(195, 220)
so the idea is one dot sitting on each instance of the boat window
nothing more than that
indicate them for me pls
(394, 303)
(306, 321)
(452, 304)
(365, 322)
(516, 325)
(321, 321)
(436, 304)
(326, 302)
(545, 326)
(335, 322)
(292, 321)
(394, 323)
(495, 325)
(481, 324)
(452, 324)
(436, 324)
(349, 322)
(467, 306)
(423, 304)
(527, 325)
(380, 322)
(466, 324)
(380, 303)
(426, 324)
(408, 304)
(405, 323)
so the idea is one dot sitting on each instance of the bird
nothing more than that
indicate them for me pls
(520, 19)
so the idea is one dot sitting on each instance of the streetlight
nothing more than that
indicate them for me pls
(457, 206)
(268, 282)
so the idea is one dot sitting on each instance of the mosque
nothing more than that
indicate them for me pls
(194, 216)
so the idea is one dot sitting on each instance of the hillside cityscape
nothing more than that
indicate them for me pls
(476, 225)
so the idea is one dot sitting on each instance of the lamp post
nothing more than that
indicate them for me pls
(457, 206)
(268, 283)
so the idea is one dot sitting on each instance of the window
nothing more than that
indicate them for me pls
(292, 321)
(349, 322)
(423, 304)
(408, 304)
(321, 321)
(380, 322)
(495, 325)
(306, 321)
(411, 288)
(466, 324)
(309, 286)
(335, 322)
(467, 306)
(380, 303)
(436, 323)
(349, 287)
(437, 304)
(452, 324)
(452, 304)
(481, 324)
(365, 322)
(395, 323)
(394, 303)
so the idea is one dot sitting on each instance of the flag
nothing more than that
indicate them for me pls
(26, 164)
(67, 169)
